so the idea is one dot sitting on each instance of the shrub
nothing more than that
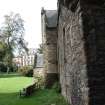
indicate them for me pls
(3, 67)
(26, 71)
(39, 80)
(14, 68)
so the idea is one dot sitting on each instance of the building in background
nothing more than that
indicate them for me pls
(18, 61)
(28, 59)
(25, 59)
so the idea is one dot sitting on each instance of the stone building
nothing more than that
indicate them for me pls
(28, 59)
(81, 43)
(49, 35)
(80, 50)
(18, 61)
(25, 59)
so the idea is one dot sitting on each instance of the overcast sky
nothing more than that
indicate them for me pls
(30, 11)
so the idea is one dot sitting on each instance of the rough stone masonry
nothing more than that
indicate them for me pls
(49, 39)
(80, 50)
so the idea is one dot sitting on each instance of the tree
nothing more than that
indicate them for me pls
(3, 48)
(2, 51)
(12, 33)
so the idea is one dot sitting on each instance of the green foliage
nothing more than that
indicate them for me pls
(39, 80)
(15, 67)
(3, 48)
(11, 38)
(26, 71)
(8, 58)
(3, 67)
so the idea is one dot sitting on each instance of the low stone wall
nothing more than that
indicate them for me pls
(39, 72)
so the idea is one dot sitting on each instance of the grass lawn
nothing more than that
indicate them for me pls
(9, 92)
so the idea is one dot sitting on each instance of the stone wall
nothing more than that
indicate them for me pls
(72, 60)
(81, 51)
(49, 35)
(50, 48)
(38, 72)
(93, 17)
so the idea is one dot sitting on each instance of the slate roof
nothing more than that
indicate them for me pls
(51, 18)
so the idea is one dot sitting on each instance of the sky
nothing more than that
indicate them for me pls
(30, 11)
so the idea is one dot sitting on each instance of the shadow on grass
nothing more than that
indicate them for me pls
(15, 99)
(40, 97)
